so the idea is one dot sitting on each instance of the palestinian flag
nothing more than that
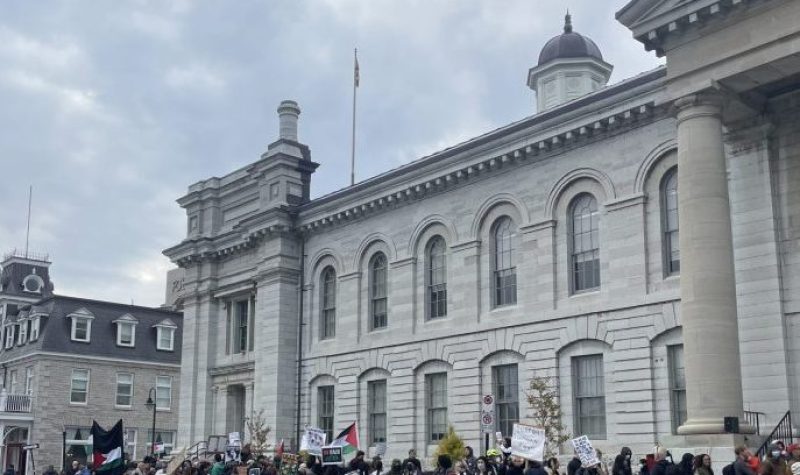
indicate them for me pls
(347, 439)
(108, 455)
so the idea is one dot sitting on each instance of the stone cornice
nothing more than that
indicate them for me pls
(654, 26)
(625, 202)
(232, 369)
(536, 227)
(528, 151)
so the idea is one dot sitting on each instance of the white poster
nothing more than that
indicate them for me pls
(528, 442)
(312, 441)
(585, 450)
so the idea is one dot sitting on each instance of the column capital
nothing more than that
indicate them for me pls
(701, 104)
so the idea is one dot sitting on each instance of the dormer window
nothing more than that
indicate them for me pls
(10, 336)
(165, 335)
(22, 336)
(126, 330)
(35, 322)
(81, 325)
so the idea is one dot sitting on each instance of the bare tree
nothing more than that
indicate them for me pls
(259, 431)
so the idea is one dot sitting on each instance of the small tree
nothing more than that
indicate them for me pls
(451, 445)
(543, 401)
(259, 431)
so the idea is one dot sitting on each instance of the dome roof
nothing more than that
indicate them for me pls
(569, 44)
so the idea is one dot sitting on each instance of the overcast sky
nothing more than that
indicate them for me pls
(112, 109)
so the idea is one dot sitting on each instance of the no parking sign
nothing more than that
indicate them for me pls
(487, 414)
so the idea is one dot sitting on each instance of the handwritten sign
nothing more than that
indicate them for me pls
(585, 451)
(528, 442)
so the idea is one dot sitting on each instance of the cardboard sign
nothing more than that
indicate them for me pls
(312, 441)
(585, 451)
(380, 449)
(487, 414)
(332, 455)
(528, 442)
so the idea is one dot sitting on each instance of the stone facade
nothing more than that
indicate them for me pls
(255, 236)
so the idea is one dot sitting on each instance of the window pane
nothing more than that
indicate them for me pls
(378, 301)
(505, 271)
(436, 405)
(124, 389)
(328, 323)
(79, 385)
(506, 394)
(677, 383)
(669, 209)
(585, 243)
(589, 395)
(163, 392)
(325, 410)
(376, 410)
(436, 275)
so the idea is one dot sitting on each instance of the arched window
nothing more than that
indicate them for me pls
(377, 291)
(328, 303)
(436, 277)
(669, 222)
(505, 266)
(585, 243)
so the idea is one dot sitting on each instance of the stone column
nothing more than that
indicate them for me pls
(708, 286)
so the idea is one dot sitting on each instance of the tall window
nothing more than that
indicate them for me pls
(669, 221)
(377, 285)
(436, 276)
(677, 386)
(125, 334)
(35, 324)
(590, 396)
(81, 329)
(29, 380)
(23, 333)
(585, 243)
(328, 300)
(506, 397)
(376, 410)
(124, 389)
(505, 267)
(436, 405)
(79, 386)
(325, 410)
(13, 382)
(241, 317)
(163, 392)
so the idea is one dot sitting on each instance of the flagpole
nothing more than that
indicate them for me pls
(353, 138)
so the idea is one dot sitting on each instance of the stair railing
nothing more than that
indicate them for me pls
(782, 431)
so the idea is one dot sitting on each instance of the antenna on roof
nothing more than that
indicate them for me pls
(28, 230)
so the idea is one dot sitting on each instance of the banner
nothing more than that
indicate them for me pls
(487, 414)
(312, 441)
(528, 442)
(332, 455)
(233, 451)
(585, 451)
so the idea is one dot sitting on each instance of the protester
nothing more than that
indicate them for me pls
(412, 459)
(602, 468)
(535, 468)
(574, 465)
(620, 467)
(495, 459)
(396, 468)
(516, 466)
(643, 468)
(377, 466)
(484, 467)
(702, 465)
(551, 467)
(793, 452)
(443, 464)
(626, 454)
(470, 460)
(774, 464)
(460, 468)
(741, 465)
(686, 463)
(662, 463)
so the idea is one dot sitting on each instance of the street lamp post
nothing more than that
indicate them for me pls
(152, 403)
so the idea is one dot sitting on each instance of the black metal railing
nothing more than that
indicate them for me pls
(782, 431)
(754, 419)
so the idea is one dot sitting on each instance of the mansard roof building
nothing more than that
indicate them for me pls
(637, 243)
(68, 361)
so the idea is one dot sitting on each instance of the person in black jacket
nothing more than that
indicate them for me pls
(535, 468)
(573, 465)
(662, 464)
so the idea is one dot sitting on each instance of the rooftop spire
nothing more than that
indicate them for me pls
(568, 23)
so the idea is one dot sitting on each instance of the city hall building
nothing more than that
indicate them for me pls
(638, 243)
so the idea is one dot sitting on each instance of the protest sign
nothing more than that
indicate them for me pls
(313, 440)
(332, 455)
(380, 449)
(528, 442)
(585, 451)
(233, 451)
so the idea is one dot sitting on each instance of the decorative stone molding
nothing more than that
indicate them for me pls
(637, 199)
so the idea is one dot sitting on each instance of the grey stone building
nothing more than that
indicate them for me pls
(636, 242)
(67, 361)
